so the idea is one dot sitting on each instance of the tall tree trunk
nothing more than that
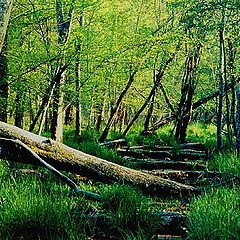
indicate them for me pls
(19, 109)
(159, 77)
(3, 84)
(231, 65)
(64, 28)
(5, 11)
(221, 81)
(78, 120)
(238, 120)
(185, 105)
(115, 110)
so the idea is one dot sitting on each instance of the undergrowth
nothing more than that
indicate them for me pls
(215, 216)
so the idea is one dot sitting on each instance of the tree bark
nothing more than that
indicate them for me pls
(169, 118)
(222, 75)
(114, 111)
(189, 82)
(71, 160)
(238, 121)
(64, 28)
(5, 11)
(3, 84)
(159, 77)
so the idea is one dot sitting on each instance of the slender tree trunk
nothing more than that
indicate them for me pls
(152, 92)
(64, 28)
(78, 123)
(5, 11)
(238, 120)
(57, 117)
(19, 111)
(78, 120)
(115, 110)
(232, 54)
(3, 84)
(221, 83)
(185, 105)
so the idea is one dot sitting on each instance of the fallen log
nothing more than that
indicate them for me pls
(169, 222)
(196, 177)
(183, 154)
(68, 159)
(115, 143)
(10, 147)
(153, 164)
(192, 146)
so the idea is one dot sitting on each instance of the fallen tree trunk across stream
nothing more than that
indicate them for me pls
(71, 160)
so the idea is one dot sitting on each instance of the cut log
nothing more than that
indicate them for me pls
(68, 159)
(182, 154)
(153, 164)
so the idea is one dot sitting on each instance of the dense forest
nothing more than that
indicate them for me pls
(137, 102)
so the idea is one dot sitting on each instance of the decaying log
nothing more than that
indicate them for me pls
(10, 147)
(192, 146)
(196, 177)
(169, 222)
(68, 159)
(182, 154)
(115, 143)
(153, 164)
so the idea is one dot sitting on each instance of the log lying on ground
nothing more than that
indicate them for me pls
(192, 177)
(183, 154)
(153, 164)
(10, 147)
(115, 143)
(192, 146)
(68, 159)
(169, 222)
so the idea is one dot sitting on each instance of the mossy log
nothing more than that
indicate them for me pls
(196, 177)
(154, 164)
(171, 223)
(192, 146)
(182, 154)
(71, 160)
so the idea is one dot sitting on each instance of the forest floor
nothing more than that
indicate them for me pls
(36, 205)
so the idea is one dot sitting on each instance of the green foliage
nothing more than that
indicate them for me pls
(205, 133)
(215, 216)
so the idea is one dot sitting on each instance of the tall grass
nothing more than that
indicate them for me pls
(215, 216)
(225, 162)
(31, 209)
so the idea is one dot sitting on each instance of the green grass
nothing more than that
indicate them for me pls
(32, 209)
(225, 162)
(127, 210)
(215, 216)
